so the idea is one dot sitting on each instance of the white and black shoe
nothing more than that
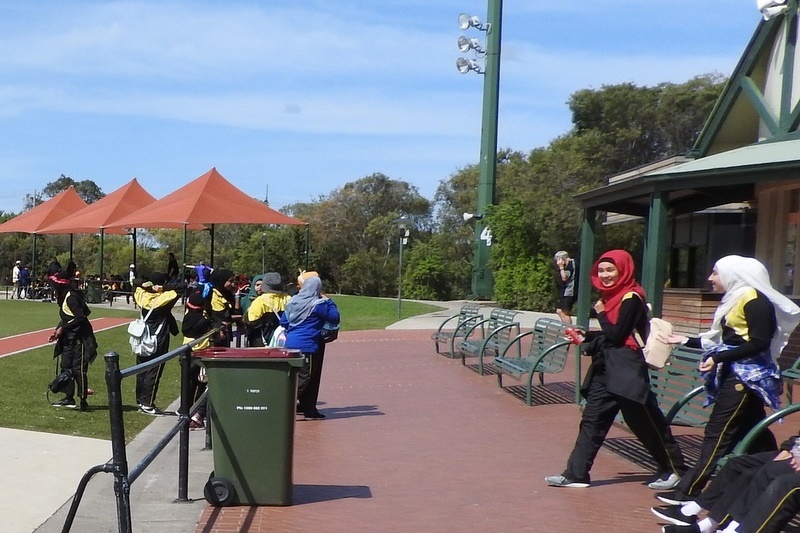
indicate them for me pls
(674, 497)
(666, 481)
(150, 410)
(673, 515)
(65, 402)
(561, 481)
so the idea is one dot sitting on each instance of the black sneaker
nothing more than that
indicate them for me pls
(315, 415)
(691, 528)
(66, 402)
(673, 515)
(84, 406)
(674, 497)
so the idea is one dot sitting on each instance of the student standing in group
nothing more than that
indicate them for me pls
(750, 328)
(304, 318)
(196, 323)
(156, 297)
(618, 380)
(263, 314)
(224, 311)
(76, 343)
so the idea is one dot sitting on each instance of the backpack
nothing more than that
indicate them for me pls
(141, 340)
(278, 339)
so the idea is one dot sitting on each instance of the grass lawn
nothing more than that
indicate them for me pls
(24, 377)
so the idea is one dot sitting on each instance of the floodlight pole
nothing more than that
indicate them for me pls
(263, 252)
(482, 282)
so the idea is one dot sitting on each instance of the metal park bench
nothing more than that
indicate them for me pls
(468, 316)
(547, 354)
(677, 387)
(501, 327)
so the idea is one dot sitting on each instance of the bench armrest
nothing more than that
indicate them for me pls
(496, 331)
(474, 327)
(513, 341)
(748, 439)
(448, 319)
(686, 398)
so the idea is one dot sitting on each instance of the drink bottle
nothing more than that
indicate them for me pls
(575, 335)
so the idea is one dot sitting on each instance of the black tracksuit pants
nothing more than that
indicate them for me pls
(729, 483)
(73, 358)
(773, 499)
(147, 381)
(308, 381)
(736, 410)
(645, 420)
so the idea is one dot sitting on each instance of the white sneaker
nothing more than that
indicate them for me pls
(665, 481)
(561, 481)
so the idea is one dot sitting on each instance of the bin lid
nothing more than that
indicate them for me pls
(221, 352)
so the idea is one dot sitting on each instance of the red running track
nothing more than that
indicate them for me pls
(36, 339)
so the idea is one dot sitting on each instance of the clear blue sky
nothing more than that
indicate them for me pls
(304, 96)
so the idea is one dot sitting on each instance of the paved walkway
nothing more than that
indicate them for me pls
(413, 442)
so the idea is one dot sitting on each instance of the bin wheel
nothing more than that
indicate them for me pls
(219, 492)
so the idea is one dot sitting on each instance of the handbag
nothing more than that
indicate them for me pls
(656, 353)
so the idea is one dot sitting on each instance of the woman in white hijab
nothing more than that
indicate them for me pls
(750, 328)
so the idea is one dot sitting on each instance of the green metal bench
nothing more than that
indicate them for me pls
(678, 386)
(501, 327)
(547, 354)
(468, 316)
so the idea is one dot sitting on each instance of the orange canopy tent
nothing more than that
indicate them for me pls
(97, 216)
(34, 220)
(209, 199)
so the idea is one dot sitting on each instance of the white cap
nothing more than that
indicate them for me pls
(18, 262)
(133, 266)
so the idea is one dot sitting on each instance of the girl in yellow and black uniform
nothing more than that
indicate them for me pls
(159, 295)
(223, 305)
(76, 343)
(750, 328)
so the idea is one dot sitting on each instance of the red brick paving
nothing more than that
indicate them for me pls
(415, 442)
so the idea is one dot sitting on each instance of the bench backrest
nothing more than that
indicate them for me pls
(500, 317)
(675, 380)
(546, 333)
(468, 316)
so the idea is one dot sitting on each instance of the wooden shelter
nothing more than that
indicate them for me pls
(739, 192)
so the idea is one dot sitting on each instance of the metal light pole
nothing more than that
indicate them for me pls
(402, 224)
(482, 282)
(263, 252)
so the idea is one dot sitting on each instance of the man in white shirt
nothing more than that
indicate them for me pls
(15, 280)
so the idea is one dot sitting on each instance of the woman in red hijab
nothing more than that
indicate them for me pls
(617, 379)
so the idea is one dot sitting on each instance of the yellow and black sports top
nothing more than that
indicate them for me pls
(749, 326)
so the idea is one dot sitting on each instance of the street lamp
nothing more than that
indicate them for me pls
(481, 275)
(402, 224)
(263, 253)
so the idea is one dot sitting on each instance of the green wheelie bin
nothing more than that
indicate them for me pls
(252, 403)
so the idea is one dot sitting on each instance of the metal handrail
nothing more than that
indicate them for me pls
(123, 478)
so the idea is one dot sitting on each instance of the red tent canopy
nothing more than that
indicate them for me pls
(124, 201)
(56, 208)
(210, 199)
